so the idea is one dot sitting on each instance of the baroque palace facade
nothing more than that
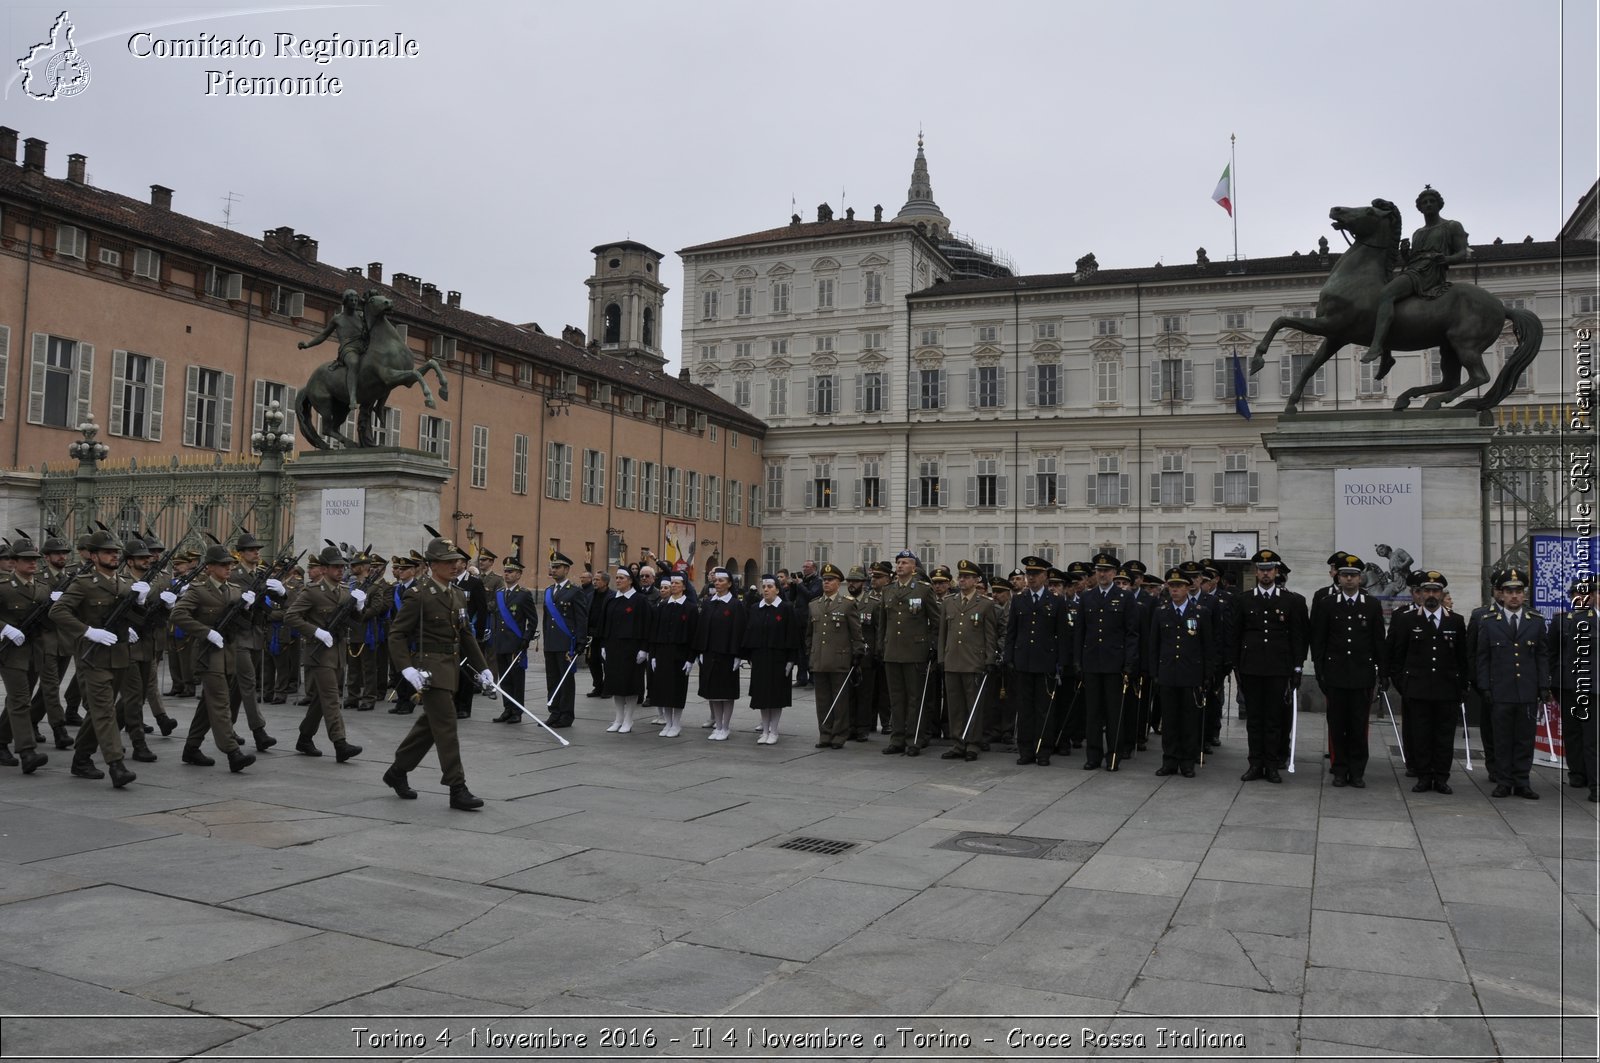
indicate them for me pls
(175, 334)
(914, 399)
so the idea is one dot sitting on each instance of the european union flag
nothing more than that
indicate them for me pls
(1241, 388)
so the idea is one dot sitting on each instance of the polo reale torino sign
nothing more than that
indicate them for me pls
(1377, 514)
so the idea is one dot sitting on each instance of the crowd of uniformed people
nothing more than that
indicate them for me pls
(1101, 656)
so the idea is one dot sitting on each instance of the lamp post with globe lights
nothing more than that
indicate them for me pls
(273, 443)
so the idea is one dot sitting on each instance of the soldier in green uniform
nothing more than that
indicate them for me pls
(180, 659)
(244, 641)
(312, 615)
(863, 697)
(376, 613)
(433, 617)
(199, 610)
(969, 650)
(906, 646)
(833, 646)
(138, 677)
(154, 629)
(57, 654)
(353, 665)
(21, 657)
(101, 656)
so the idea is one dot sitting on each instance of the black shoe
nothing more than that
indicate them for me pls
(239, 760)
(824, 744)
(1358, 782)
(395, 779)
(508, 717)
(1423, 786)
(1042, 761)
(147, 730)
(142, 754)
(173, 693)
(892, 750)
(84, 768)
(1187, 773)
(63, 740)
(1113, 765)
(264, 741)
(38, 736)
(167, 725)
(1340, 780)
(1253, 774)
(343, 751)
(1026, 758)
(308, 747)
(120, 775)
(192, 755)
(971, 754)
(1527, 792)
(1500, 791)
(33, 760)
(1577, 782)
(1090, 765)
(6, 758)
(835, 745)
(365, 706)
(1273, 776)
(595, 693)
(1164, 770)
(462, 798)
(402, 710)
(951, 754)
(1442, 787)
(913, 751)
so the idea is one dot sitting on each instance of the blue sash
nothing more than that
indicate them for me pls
(505, 614)
(275, 645)
(556, 618)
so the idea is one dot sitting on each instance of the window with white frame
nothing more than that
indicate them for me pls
(823, 395)
(711, 432)
(1367, 383)
(985, 559)
(742, 350)
(774, 556)
(1107, 326)
(870, 552)
(825, 287)
(1171, 485)
(988, 333)
(208, 409)
(1525, 378)
(266, 393)
(71, 241)
(1046, 389)
(1046, 482)
(744, 301)
(755, 506)
(1107, 379)
(1171, 380)
(224, 285)
(780, 297)
(1235, 485)
(741, 392)
(774, 485)
(931, 389)
(1290, 366)
(594, 477)
(1171, 556)
(986, 487)
(147, 264)
(929, 487)
(1235, 320)
(691, 495)
(778, 396)
(819, 489)
(708, 352)
(519, 464)
(649, 487)
(287, 302)
(987, 387)
(778, 348)
(110, 256)
(708, 305)
(1587, 303)
(869, 392)
(733, 439)
(872, 341)
(930, 337)
(136, 392)
(1432, 367)
(872, 287)
(626, 483)
(735, 501)
(1224, 379)
(1108, 485)
(433, 436)
(558, 470)
(822, 344)
(714, 498)
(60, 381)
(386, 434)
(480, 455)
(871, 496)
(1046, 330)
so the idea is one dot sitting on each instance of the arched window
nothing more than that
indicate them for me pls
(649, 326)
(613, 324)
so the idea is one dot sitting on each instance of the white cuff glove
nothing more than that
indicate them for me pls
(700, 659)
(640, 657)
(736, 664)
(359, 595)
(14, 634)
(215, 638)
(248, 597)
(652, 664)
(325, 638)
(486, 679)
(142, 589)
(169, 598)
(133, 636)
(602, 653)
(413, 677)
(686, 666)
(276, 586)
(101, 636)
(55, 596)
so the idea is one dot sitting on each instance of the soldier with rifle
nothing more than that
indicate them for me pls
(245, 640)
(22, 599)
(321, 614)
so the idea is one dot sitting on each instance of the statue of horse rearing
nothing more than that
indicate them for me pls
(387, 364)
(1463, 323)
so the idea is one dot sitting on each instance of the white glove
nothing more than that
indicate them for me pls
(101, 636)
(640, 657)
(215, 638)
(133, 636)
(248, 597)
(169, 598)
(325, 638)
(359, 595)
(652, 664)
(14, 634)
(276, 586)
(602, 653)
(413, 677)
(788, 671)
(486, 679)
(142, 589)
(736, 664)
(55, 596)
(700, 659)
(686, 666)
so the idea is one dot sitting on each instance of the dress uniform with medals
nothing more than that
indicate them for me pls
(513, 625)
(312, 615)
(1348, 649)
(1106, 652)
(565, 626)
(1572, 660)
(863, 705)
(198, 610)
(1037, 653)
(969, 650)
(872, 700)
(833, 646)
(1269, 647)
(1180, 656)
(21, 655)
(1513, 669)
(433, 618)
(906, 646)
(1428, 663)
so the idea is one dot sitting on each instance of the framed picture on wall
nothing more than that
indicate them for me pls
(1234, 545)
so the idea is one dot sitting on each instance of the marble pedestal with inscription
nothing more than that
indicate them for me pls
(380, 496)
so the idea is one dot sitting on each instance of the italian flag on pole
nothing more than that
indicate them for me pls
(1223, 196)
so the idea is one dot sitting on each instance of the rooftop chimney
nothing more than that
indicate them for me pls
(877, 212)
(453, 299)
(573, 335)
(33, 153)
(375, 272)
(76, 165)
(161, 197)
(8, 145)
(305, 247)
(430, 294)
(824, 212)
(279, 239)
(850, 214)
(354, 271)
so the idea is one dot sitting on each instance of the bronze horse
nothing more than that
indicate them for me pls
(387, 364)
(1463, 322)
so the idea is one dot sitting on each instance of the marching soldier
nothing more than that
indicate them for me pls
(1513, 668)
(101, 656)
(160, 644)
(1106, 655)
(279, 663)
(140, 675)
(245, 640)
(56, 653)
(180, 660)
(197, 613)
(833, 646)
(21, 656)
(433, 617)
(906, 645)
(1572, 657)
(513, 625)
(313, 616)
(353, 666)
(1038, 651)
(1180, 657)
(1429, 664)
(374, 628)
(1347, 647)
(565, 626)
(969, 650)
(1269, 645)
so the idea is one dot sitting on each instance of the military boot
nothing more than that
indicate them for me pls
(264, 741)
(6, 758)
(307, 747)
(120, 775)
(63, 740)
(239, 760)
(462, 798)
(343, 750)
(167, 725)
(141, 750)
(395, 779)
(192, 755)
(33, 760)
(83, 767)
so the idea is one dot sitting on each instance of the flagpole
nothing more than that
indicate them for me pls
(1233, 192)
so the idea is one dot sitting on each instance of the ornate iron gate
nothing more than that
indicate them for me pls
(1526, 488)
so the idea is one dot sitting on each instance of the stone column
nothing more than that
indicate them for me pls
(380, 496)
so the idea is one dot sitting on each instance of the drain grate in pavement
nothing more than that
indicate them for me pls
(823, 846)
(1014, 845)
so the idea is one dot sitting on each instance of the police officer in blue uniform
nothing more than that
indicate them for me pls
(513, 625)
(1036, 652)
(1269, 648)
(566, 630)
(1106, 652)
(1181, 653)
(1513, 667)
(1348, 648)
(1430, 666)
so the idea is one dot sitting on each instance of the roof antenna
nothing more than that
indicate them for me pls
(227, 209)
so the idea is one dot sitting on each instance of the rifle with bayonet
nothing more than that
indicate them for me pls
(347, 608)
(257, 585)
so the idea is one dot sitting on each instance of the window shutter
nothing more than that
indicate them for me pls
(1155, 381)
(1089, 498)
(858, 392)
(119, 368)
(1033, 385)
(258, 404)
(811, 394)
(1220, 378)
(1188, 380)
(444, 434)
(811, 493)
(1002, 388)
(855, 495)
(422, 432)
(914, 495)
(1255, 488)
(566, 473)
(1030, 490)
(1188, 488)
(1155, 488)
(972, 491)
(972, 388)
(1285, 374)
(41, 348)
(1125, 481)
(620, 498)
(944, 388)
(84, 382)
(1002, 491)
(191, 399)
(1253, 383)
(1319, 381)
(5, 365)
(225, 428)
(158, 396)
(944, 490)
(1219, 489)
(291, 421)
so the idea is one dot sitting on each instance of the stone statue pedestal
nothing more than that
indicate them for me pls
(377, 495)
(19, 503)
(1447, 445)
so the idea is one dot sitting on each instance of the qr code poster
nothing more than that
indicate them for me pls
(1558, 560)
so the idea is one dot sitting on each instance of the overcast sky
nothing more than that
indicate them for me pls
(524, 134)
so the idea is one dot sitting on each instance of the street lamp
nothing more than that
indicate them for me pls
(88, 450)
(271, 438)
(1192, 540)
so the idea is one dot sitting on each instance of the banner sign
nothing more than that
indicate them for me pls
(1377, 515)
(343, 516)
(1558, 559)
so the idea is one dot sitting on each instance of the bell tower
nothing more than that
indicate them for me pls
(625, 300)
